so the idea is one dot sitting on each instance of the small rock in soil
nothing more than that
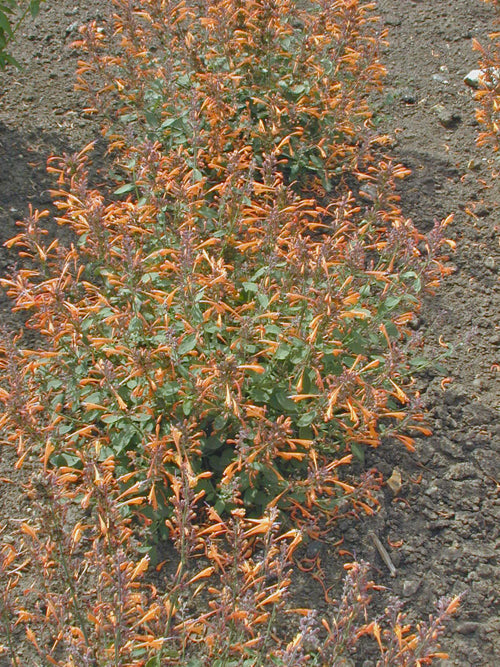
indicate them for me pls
(408, 95)
(475, 551)
(477, 77)
(479, 414)
(467, 627)
(447, 117)
(455, 394)
(461, 471)
(410, 587)
(495, 339)
(433, 492)
(473, 78)
(450, 448)
(440, 78)
(478, 384)
(392, 19)
(488, 461)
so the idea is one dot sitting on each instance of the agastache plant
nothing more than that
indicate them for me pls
(226, 331)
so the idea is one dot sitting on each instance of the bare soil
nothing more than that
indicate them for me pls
(447, 516)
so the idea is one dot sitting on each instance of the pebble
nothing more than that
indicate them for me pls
(488, 461)
(473, 78)
(478, 384)
(476, 77)
(447, 117)
(456, 393)
(408, 95)
(489, 263)
(478, 551)
(410, 587)
(440, 78)
(392, 19)
(483, 210)
(467, 627)
(396, 558)
(433, 492)
(461, 471)
(478, 414)
(485, 571)
(73, 27)
(449, 447)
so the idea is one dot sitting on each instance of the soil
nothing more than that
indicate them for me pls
(447, 515)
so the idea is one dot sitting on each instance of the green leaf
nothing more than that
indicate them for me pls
(111, 419)
(306, 419)
(280, 401)
(184, 80)
(94, 397)
(151, 118)
(5, 24)
(260, 395)
(306, 433)
(317, 161)
(128, 187)
(282, 352)
(220, 422)
(170, 388)
(417, 286)
(212, 444)
(392, 301)
(168, 123)
(256, 497)
(220, 461)
(263, 299)
(207, 486)
(363, 311)
(188, 343)
(259, 273)
(392, 330)
(220, 506)
(358, 451)
(142, 417)
(35, 7)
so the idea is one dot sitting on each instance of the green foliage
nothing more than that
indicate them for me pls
(12, 14)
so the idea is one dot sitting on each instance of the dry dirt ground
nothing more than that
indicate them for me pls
(447, 516)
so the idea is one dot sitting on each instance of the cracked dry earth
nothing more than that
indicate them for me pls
(446, 517)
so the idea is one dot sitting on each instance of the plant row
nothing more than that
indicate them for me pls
(230, 328)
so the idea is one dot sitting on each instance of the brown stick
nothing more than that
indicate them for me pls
(383, 554)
